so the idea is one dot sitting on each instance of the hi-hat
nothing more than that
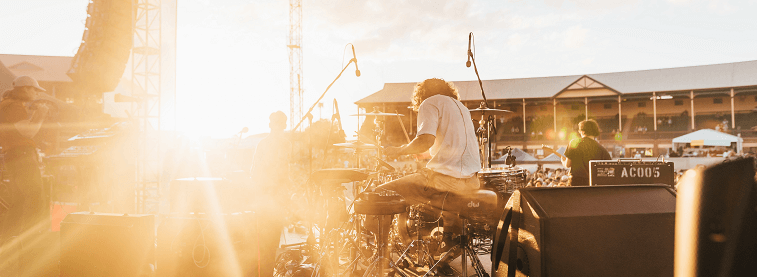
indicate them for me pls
(356, 145)
(375, 113)
(487, 111)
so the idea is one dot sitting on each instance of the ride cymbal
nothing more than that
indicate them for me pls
(487, 111)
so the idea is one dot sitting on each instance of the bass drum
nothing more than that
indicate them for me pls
(419, 223)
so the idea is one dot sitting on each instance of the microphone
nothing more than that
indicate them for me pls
(467, 64)
(357, 70)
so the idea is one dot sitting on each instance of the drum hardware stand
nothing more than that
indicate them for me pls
(382, 241)
(468, 252)
(423, 254)
(485, 131)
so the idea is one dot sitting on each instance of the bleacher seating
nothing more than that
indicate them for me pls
(607, 124)
(746, 120)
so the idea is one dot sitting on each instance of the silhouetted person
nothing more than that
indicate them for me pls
(581, 151)
(18, 125)
(271, 184)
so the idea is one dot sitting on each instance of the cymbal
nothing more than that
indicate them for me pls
(482, 111)
(356, 145)
(375, 113)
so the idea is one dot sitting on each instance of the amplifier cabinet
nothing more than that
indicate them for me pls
(105, 244)
(586, 231)
(208, 245)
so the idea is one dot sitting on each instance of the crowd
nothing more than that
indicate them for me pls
(546, 177)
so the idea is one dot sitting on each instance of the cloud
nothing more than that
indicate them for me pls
(603, 4)
(721, 7)
(516, 41)
(575, 36)
(554, 3)
(413, 29)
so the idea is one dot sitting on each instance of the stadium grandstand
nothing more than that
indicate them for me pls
(638, 111)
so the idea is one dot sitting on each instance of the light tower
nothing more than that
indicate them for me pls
(146, 77)
(295, 62)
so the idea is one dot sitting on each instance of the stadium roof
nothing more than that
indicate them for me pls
(704, 77)
(41, 68)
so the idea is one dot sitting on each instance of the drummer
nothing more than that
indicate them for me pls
(445, 127)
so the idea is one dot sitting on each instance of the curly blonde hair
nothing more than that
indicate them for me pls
(431, 87)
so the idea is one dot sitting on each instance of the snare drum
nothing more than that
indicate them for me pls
(503, 181)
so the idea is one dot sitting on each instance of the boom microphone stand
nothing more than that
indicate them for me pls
(475, 69)
(308, 113)
(357, 72)
(484, 104)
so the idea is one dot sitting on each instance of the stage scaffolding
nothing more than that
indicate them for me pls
(153, 78)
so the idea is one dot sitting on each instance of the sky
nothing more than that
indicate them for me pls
(233, 68)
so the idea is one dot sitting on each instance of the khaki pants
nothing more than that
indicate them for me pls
(419, 188)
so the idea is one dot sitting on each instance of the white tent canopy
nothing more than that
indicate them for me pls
(709, 137)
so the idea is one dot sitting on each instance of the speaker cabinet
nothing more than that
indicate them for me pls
(716, 221)
(100, 244)
(208, 245)
(586, 231)
(106, 45)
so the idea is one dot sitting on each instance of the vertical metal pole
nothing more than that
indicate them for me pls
(586, 108)
(357, 151)
(691, 96)
(554, 111)
(654, 109)
(733, 112)
(620, 114)
(411, 122)
(524, 115)
(158, 154)
(489, 123)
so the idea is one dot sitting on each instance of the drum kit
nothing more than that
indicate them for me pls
(362, 232)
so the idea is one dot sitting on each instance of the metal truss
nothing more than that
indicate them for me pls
(295, 62)
(146, 79)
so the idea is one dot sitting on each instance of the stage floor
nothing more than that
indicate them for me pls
(288, 237)
(47, 249)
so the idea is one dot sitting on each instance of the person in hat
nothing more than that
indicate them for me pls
(18, 125)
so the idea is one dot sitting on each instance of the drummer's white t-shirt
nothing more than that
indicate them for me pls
(455, 149)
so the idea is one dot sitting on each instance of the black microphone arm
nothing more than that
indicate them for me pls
(324, 92)
(473, 58)
(357, 70)
(467, 64)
